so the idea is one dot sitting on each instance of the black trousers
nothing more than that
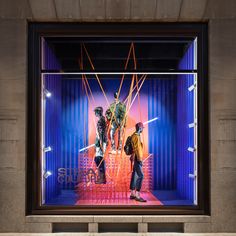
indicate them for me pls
(98, 160)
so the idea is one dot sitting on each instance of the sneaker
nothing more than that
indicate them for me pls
(132, 197)
(140, 199)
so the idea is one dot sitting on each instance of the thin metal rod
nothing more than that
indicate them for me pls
(120, 73)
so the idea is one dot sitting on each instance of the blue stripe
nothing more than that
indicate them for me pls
(185, 136)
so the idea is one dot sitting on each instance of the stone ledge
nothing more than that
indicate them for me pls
(59, 219)
(118, 219)
(117, 234)
(176, 219)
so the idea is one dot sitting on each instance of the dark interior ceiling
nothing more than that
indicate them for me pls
(110, 54)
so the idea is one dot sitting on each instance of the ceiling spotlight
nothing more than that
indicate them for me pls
(47, 174)
(47, 93)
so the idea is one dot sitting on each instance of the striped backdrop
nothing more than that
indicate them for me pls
(185, 135)
(52, 135)
(52, 122)
(166, 97)
(162, 134)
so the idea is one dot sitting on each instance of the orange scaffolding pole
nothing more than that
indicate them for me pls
(99, 82)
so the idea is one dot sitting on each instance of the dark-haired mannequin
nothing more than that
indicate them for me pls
(100, 145)
(116, 115)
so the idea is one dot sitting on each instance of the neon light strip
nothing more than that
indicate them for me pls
(92, 145)
(85, 148)
(149, 121)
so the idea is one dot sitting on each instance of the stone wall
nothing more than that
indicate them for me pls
(221, 15)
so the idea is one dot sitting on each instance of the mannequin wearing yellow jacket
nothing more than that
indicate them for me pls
(137, 146)
(137, 157)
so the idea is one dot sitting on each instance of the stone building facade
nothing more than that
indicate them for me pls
(221, 18)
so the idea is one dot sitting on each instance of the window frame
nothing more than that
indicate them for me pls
(38, 30)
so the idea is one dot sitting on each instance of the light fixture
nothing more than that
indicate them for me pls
(47, 93)
(191, 149)
(47, 149)
(192, 176)
(192, 87)
(192, 125)
(47, 174)
(85, 148)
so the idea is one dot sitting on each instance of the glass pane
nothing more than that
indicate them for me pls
(79, 165)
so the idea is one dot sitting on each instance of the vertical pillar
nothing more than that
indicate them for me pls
(93, 227)
(142, 227)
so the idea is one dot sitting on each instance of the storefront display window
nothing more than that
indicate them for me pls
(118, 121)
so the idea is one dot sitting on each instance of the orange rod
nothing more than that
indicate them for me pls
(91, 63)
(136, 86)
(126, 113)
(86, 80)
(126, 64)
(137, 92)
(135, 67)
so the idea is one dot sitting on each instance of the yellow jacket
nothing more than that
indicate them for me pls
(137, 146)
